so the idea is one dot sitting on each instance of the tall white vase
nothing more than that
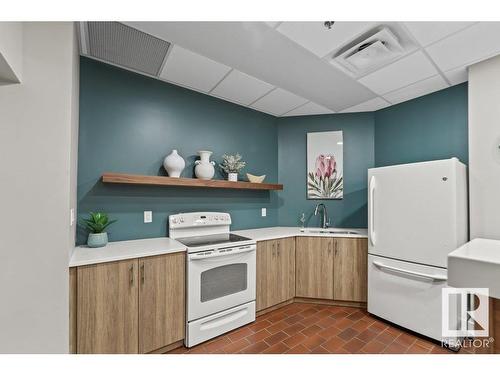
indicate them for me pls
(204, 167)
(174, 164)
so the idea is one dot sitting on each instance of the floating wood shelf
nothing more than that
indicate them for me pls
(135, 179)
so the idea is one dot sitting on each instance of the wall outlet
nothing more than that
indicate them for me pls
(148, 216)
(71, 217)
(264, 212)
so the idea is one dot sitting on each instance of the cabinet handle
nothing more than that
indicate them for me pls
(278, 249)
(131, 274)
(142, 274)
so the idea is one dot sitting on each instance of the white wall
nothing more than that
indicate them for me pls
(484, 151)
(11, 51)
(38, 119)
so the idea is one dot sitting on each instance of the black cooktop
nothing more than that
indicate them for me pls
(213, 239)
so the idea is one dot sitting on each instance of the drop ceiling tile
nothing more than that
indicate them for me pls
(415, 90)
(309, 108)
(192, 70)
(278, 102)
(241, 88)
(458, 75)
(430, 32)
(401, 73)
(471, 45)
(371, 105)
(315, 37)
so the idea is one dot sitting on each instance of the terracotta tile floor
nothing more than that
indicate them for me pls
(304, 328)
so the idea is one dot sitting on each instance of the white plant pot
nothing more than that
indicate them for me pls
(174, 164)
(204, 167)
(232, 177)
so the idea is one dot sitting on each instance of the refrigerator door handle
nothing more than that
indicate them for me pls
(413, 273)
(372, 213)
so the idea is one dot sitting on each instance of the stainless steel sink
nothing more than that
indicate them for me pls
(328, 231)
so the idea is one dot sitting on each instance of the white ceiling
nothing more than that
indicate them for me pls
(286, 68)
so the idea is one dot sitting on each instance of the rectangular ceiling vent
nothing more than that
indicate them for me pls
(369, 53)
(124, 46)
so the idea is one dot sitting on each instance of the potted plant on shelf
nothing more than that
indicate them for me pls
(232, 165)
(96, 224)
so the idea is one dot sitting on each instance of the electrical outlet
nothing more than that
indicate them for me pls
(148, 216)
(71, 217)
(264, 212)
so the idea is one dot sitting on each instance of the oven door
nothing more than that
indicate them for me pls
(219, 280)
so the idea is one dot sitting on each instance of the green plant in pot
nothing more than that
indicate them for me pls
(96, 224)
(232, 165)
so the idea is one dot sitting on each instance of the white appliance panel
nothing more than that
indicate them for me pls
(214, 325)
(417, 212)
(407, 294)
(217, 282)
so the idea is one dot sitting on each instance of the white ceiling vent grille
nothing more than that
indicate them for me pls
(125, 46)
(371, 52)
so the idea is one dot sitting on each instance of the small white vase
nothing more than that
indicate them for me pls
(204, 167)
(232, 177)
(174, 164)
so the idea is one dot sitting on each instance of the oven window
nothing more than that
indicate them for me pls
(223, 281)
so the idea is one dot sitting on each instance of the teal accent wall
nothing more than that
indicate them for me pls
(358, 134)
(431, 127)
(129, 123)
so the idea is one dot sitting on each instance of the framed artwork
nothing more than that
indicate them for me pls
(325, 158)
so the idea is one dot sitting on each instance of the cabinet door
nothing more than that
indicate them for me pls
(314, 267)
(266, 274)
(285, 287)
(107, 307)
(161, 301)
(350, 269)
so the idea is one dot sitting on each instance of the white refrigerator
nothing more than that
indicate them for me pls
(417, 214)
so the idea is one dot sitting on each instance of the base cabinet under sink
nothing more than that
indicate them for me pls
(316, 268)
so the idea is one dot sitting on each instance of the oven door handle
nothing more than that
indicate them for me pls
(218, 254)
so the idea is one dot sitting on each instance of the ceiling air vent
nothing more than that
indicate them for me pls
(369, 53)
(125, 46)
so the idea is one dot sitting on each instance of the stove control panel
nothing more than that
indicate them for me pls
(198, 219)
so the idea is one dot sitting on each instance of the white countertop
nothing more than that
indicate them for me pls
(262, 234)
(476, 264)
(479, 250)
(119, 250)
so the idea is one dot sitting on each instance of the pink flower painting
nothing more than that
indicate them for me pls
(324, 177)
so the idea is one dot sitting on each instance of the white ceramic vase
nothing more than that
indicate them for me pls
(174, 164)
(204, 167)
(232, 177)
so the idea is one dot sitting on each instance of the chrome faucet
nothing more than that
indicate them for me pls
(324, 219)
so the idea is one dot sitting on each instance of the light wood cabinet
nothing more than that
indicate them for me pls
(161, 301)
(107, 307)
(285, 269)
(275, 272)
(129, 306)
(350, 269)
(314, 267)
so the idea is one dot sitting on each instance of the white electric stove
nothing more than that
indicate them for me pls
(220, 274)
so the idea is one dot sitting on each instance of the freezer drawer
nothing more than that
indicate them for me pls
(407, 294)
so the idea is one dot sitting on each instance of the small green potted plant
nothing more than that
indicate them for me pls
(232, 165)
(96, 224)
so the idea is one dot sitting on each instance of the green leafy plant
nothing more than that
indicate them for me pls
(232, 163)
(97, 222)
